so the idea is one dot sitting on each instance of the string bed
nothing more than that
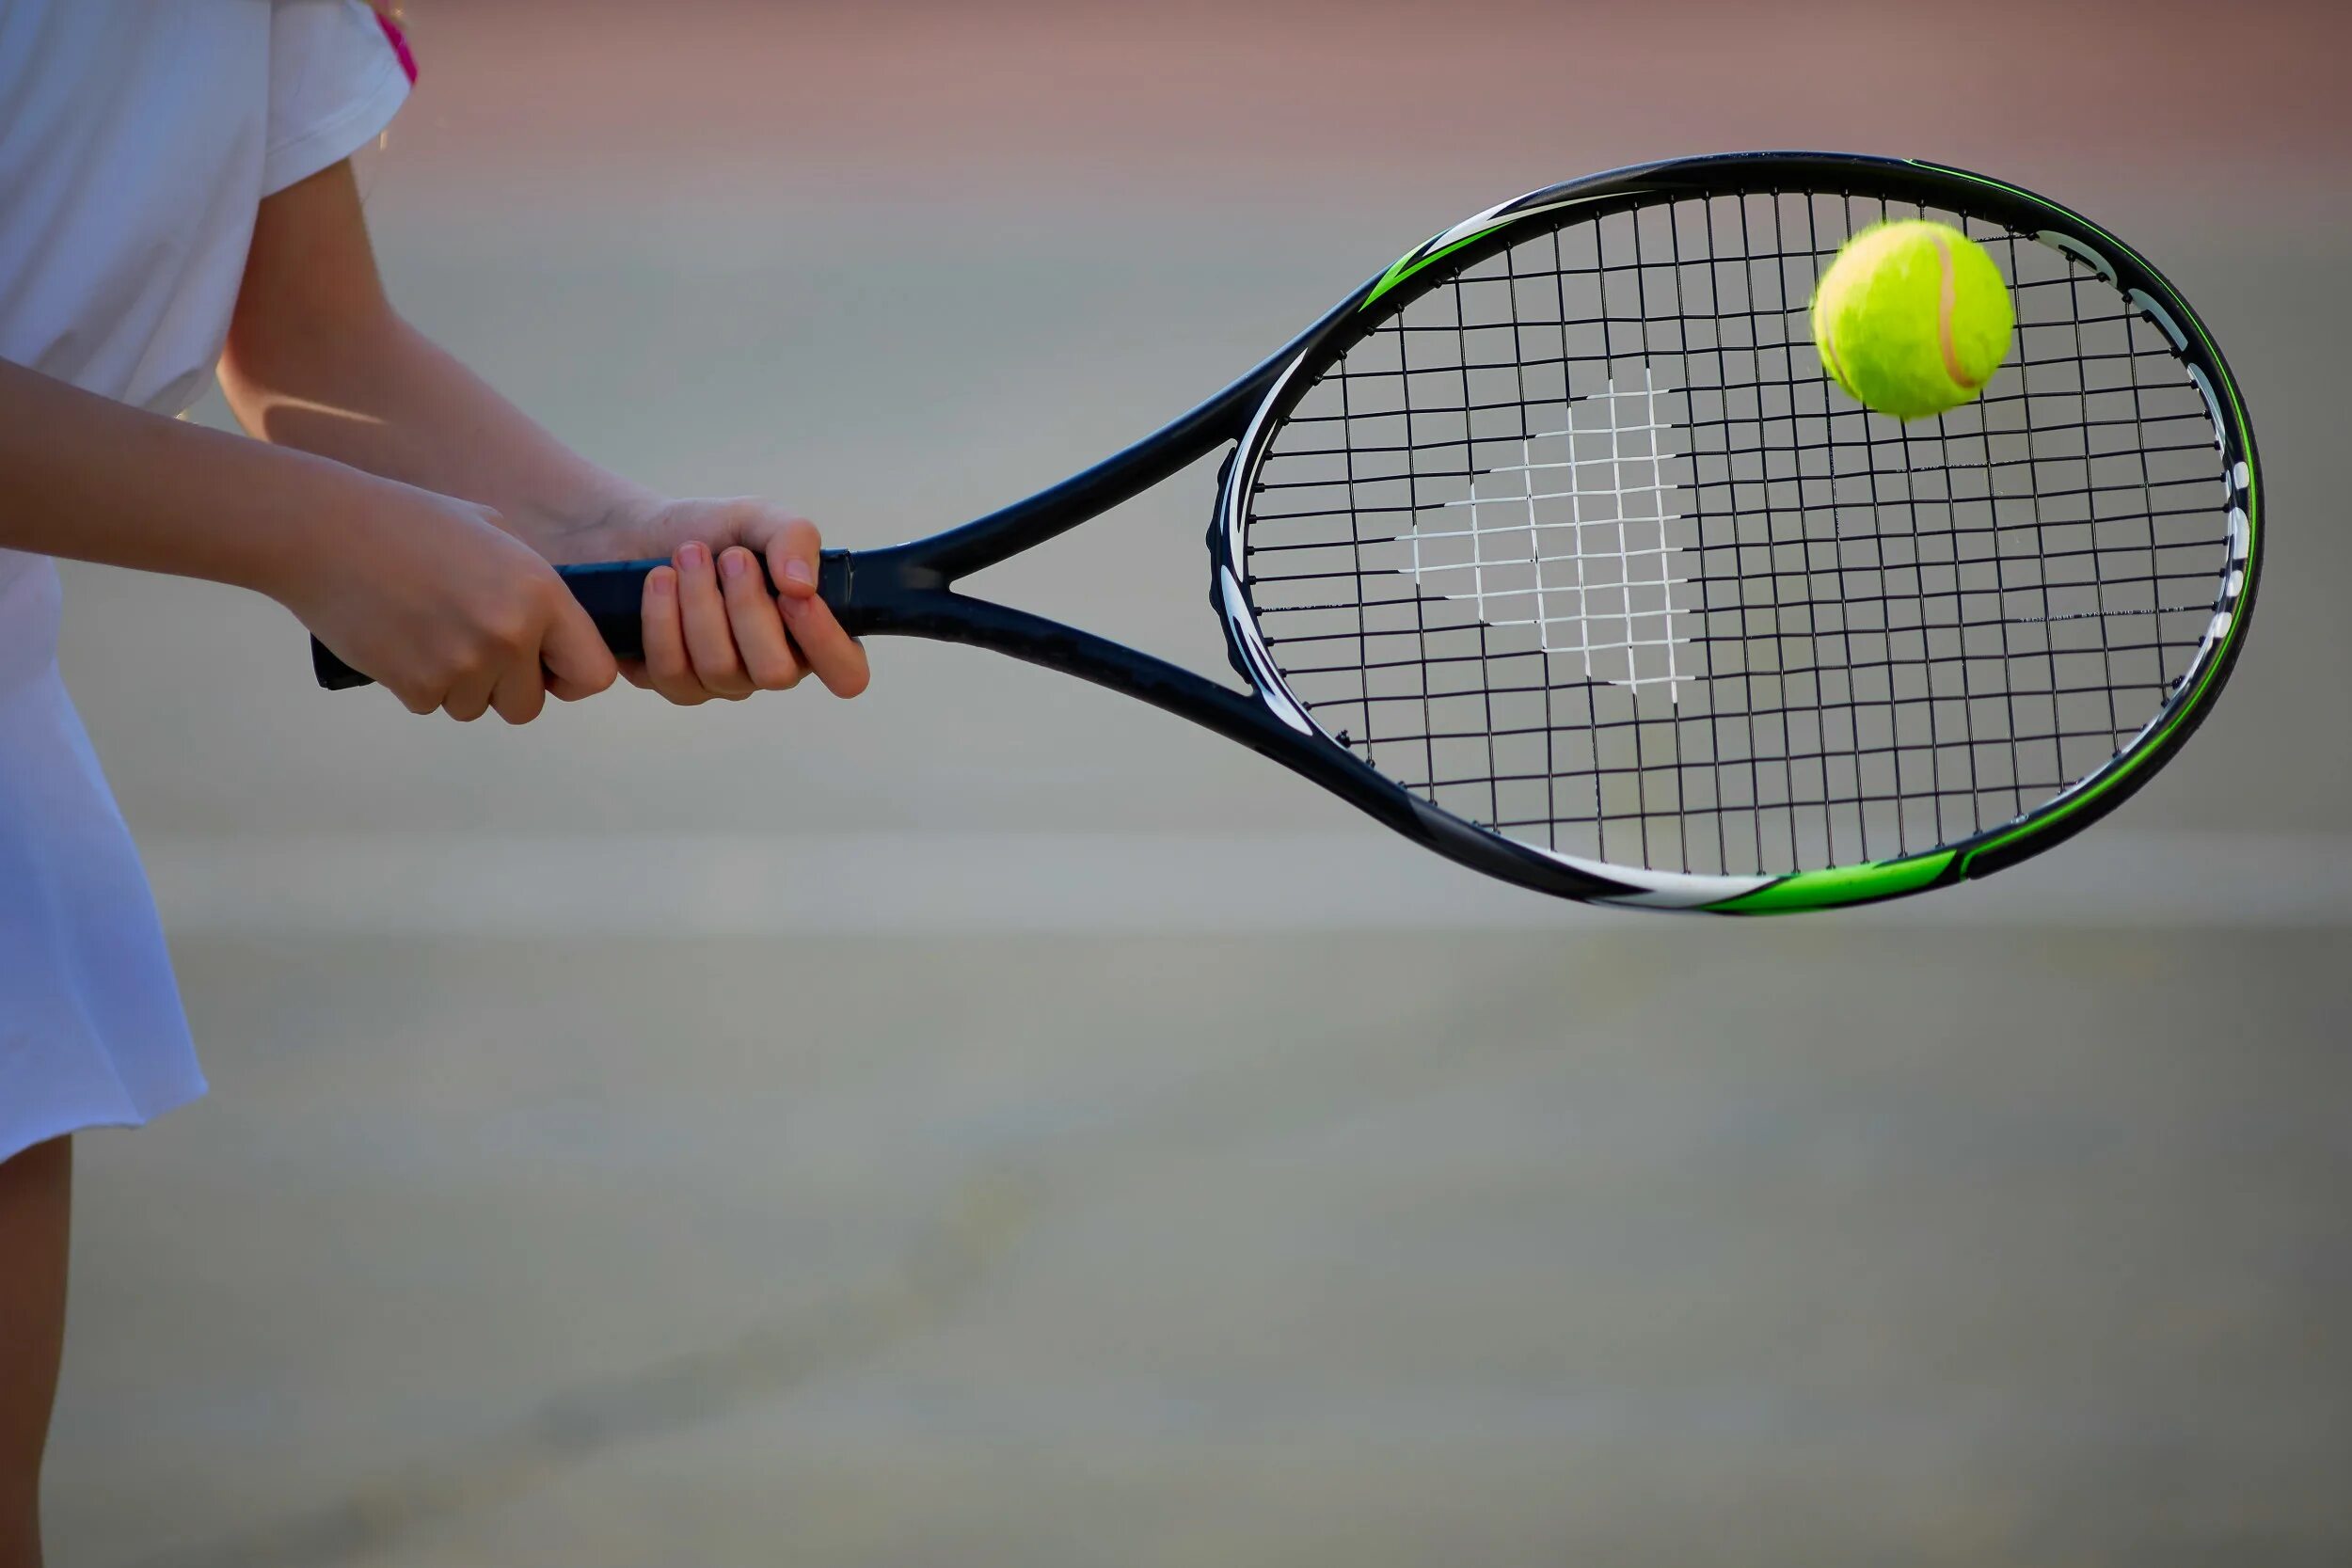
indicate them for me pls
(1583, 547)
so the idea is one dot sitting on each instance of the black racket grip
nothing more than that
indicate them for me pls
(613, 593)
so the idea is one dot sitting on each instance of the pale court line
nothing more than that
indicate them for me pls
(974, 884)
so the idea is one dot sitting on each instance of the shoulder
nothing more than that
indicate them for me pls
(338, 73)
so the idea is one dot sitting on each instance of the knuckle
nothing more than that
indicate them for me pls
(773, 674)
(472, 653)
(510, 633)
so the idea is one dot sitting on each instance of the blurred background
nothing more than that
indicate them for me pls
(993, 1123)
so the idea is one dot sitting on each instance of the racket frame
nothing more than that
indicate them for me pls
(906, 589)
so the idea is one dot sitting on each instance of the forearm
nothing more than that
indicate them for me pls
(87, 478)
(366, 388)
(318, 359)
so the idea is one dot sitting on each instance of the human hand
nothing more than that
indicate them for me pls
(429, 596)
(712, 626)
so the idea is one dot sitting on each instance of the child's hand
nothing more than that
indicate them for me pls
(711, 627)
(426, 593)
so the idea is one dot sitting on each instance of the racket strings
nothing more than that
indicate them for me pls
(1584, 547)
(1610, 603)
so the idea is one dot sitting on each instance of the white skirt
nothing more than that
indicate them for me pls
(91, 1030)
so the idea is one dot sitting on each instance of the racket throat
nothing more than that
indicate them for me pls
(878, 591)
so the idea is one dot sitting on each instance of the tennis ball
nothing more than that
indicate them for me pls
(1912, 318)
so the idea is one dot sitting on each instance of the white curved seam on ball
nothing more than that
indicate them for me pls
(1946, 301)
(1828, 337)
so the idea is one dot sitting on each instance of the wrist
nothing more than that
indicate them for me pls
(330, 520)
(295, 519)
(599, 525)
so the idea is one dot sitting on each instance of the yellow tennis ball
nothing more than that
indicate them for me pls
(1912, 318)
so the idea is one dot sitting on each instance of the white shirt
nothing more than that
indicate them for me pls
(137, 138)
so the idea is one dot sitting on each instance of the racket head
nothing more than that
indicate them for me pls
(1557, 533)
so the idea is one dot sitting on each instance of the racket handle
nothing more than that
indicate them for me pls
(611, 592)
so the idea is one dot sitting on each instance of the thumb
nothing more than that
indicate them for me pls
(792, 559)
(578, 662)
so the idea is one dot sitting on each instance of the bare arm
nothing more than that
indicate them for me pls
(94, 480)
(318, 359)
(417, 589)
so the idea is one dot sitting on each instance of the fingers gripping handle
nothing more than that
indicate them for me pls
(610, 593)
(613, 593)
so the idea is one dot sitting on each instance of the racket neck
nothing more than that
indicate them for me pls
(1118, 479)
(897, 592)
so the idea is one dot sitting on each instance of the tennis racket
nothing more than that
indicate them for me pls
(1552, 547)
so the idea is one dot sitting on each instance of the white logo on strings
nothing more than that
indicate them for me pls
(1574, 540)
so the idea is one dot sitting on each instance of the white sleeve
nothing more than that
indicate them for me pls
(335, 82)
